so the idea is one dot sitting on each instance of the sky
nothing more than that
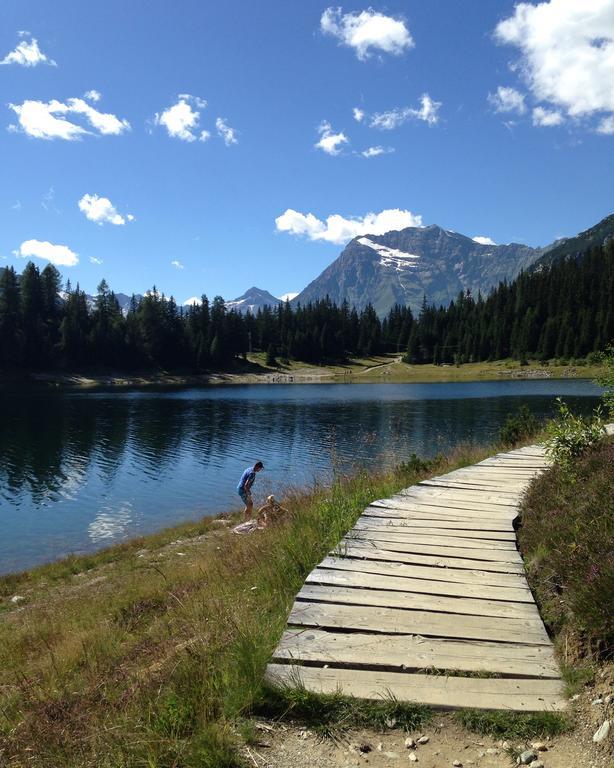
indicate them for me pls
(205, 147)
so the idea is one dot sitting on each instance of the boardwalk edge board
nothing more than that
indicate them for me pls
(426, 600)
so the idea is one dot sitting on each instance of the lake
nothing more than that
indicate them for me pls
(83, 470)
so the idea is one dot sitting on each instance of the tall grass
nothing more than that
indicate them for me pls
(151, 659)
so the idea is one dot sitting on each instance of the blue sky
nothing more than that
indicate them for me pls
(474, 118)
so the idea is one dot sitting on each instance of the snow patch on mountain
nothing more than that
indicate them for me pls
(391, 257)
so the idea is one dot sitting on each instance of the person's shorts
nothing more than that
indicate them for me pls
(246, 496)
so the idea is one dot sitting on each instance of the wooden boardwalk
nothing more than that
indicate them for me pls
(426, 600)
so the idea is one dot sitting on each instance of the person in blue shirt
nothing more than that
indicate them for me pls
(244, 489)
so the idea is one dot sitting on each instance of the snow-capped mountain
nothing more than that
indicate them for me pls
(252, 300)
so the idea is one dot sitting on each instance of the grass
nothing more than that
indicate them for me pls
(123, 658)
(566, 534)
(513, 725)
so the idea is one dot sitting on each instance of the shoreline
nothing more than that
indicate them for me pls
(376, 370)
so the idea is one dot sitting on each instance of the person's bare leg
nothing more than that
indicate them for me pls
(249, 508)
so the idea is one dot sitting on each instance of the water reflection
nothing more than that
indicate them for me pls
(80, 470)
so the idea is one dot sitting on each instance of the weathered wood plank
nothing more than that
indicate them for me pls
(372, 553)
(398, 621)
(451, 523)
(369, 578)
(435, 574)
(524, 695)
(397, 594)
(367, 522)
(451, 538)
(413, 652)
(383, 542)
(447, 507)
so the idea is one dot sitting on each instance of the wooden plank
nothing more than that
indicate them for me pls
(462, 485)
(398, 595)
(429, 573)
(448, 507)
(413, 652)
(440, 537)
(524, 695)
(366, 578)
(425, 495)
(365, 522)
(498, 555)
(372, 553)
(438, 522)
(397, 621)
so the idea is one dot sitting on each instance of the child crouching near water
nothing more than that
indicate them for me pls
(268, 513)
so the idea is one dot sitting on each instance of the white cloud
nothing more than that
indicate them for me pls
(94, 260)
(27, 54)
(92, 95)
(367, 30)
(339, 230)
(567, 52)
(60, 255)
(102, 211)
(376, 151)
(330, 142)
(226, 132)
(606, 126)
(192, 301)
(507, 100)
(359, 114)
(39, 119)
(183, 118)
(176, 264)
(482, 240)
(427, 112)
(288, 296)
(547, 117)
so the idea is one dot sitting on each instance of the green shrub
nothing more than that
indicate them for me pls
(570, 435)
(607, 379)
(519, 426)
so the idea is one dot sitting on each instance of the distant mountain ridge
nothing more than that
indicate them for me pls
(573, 246)
(252, 300)
(401, 267)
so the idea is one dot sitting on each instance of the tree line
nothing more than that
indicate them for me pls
(565, 310)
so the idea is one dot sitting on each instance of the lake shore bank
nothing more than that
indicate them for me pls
(152, 652)
(377, 369)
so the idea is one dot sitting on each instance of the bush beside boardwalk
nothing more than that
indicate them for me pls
(152, 653)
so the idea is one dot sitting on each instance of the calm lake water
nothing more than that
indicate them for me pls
(82, 470)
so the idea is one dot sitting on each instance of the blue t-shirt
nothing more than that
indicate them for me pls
(247, 477)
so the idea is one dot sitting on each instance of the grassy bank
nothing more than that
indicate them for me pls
(152, 653)
(379, 368)
(566, 539)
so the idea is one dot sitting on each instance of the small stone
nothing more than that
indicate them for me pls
(602, 732)
(528, 756)
(365, 748)
(539, 746)
(413, 757)
(423, 740)
(536, 764)
(391, 755)
(575, 697)
(390, 722)
(17, 599)
(457, 764)
(595, 702)
(608, 698)
(505, 745)
(380, 747)
(410, 743)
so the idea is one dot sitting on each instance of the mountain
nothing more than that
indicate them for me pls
(573, 246)
(253, 300)
(401, 267)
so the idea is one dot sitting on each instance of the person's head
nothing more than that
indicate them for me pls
(270, 499)
(258, 466)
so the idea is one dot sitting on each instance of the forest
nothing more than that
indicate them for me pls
(564, 310)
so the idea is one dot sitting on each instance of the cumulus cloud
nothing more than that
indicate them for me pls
(330, 142)
(606, 126)
(338, 229)
(566, 53)
(46, 120)
(27, 54)
(358, 114)
(482, 240)
(376, 151)
(225, 131)
(94, 260)
(365, 31)
(176, 264)
(547, 117)
(428, 112)
(507, 100)
(182, 119)
(92, 95)
(102, 211)
(60, 255)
